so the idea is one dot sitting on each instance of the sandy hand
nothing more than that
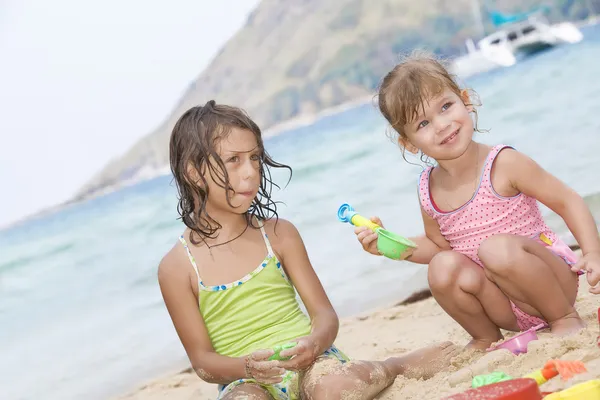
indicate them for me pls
(303, 355)
(368, 238)
(259, 368)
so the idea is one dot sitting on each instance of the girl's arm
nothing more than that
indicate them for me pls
(324, 320)
(429, 244)
(526, 176)
(182, 304)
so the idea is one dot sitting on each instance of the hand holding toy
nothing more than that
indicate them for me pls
(389, 244)
(278, 349)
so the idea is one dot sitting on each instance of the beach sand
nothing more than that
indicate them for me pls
(393, 330)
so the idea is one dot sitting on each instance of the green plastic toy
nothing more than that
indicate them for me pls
(279, 348)
(488, 379)
(389, 244)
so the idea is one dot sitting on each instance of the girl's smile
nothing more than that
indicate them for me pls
(451, 138)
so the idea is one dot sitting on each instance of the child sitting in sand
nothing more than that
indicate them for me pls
(493, 262)
(229, 302)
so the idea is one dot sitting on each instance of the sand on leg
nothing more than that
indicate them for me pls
(248, 391)
(329, 379)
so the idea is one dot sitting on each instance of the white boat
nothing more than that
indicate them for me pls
(515, 37)
(528, 37)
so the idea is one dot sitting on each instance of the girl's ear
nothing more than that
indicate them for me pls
(466, 99)
(405, 143)
(193, 174)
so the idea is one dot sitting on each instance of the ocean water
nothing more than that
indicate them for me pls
(81, 314)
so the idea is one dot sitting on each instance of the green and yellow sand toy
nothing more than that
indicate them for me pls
(389, 244)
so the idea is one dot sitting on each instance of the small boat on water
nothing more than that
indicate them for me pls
(531, 36)
(516, 36)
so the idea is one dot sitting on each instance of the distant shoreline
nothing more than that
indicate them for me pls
(311, 118)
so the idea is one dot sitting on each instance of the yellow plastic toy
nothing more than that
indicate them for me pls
(589, 390)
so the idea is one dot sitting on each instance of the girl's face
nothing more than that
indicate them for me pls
(443, 130)
(241, 156)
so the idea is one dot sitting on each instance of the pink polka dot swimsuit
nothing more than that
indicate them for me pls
(486, 214)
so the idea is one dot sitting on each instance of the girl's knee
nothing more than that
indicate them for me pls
(500, 253)
(330, 387)
(444, 269)
(450, 269)
(348, 379)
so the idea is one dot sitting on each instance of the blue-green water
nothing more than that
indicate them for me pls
(80, 310)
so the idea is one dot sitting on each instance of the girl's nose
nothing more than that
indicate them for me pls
(442, 124)
(249, 171)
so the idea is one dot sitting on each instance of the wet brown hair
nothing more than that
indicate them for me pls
(403, 92)
(192, 152)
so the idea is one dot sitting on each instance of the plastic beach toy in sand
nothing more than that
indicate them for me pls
(489, 379)
(389, 244)
(518, 344)
(589, 390)
(565, 368)
(514, 389)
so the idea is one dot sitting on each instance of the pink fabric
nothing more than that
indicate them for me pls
(488, 214)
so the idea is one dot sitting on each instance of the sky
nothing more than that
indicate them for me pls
(82, 81)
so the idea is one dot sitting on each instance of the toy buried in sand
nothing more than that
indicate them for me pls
(389, 244)
(566, 369)
(489, 379)
(518, 344)
(527, 389)
(514, 389)
(589, 390)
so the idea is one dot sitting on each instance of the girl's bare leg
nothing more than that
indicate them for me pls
(363, 380)
(248, 391)
(461, 288)
(536, 280)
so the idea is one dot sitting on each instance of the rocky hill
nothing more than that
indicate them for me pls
(296, 57)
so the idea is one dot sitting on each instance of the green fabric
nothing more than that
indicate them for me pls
(260, 313)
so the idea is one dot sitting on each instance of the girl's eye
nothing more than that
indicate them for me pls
(234, 159)
(423, 124)
(446, 106)
(255, 157)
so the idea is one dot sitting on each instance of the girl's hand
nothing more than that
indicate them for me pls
(259, 368)
(368, 238)
(303, 354)
(590, 263)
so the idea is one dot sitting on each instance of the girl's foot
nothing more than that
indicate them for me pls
(423, 363)
(568, 325)
(481, 344)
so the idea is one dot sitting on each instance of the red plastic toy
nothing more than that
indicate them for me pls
(514, 389)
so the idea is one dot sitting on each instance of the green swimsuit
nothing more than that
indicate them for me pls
(259, 311)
